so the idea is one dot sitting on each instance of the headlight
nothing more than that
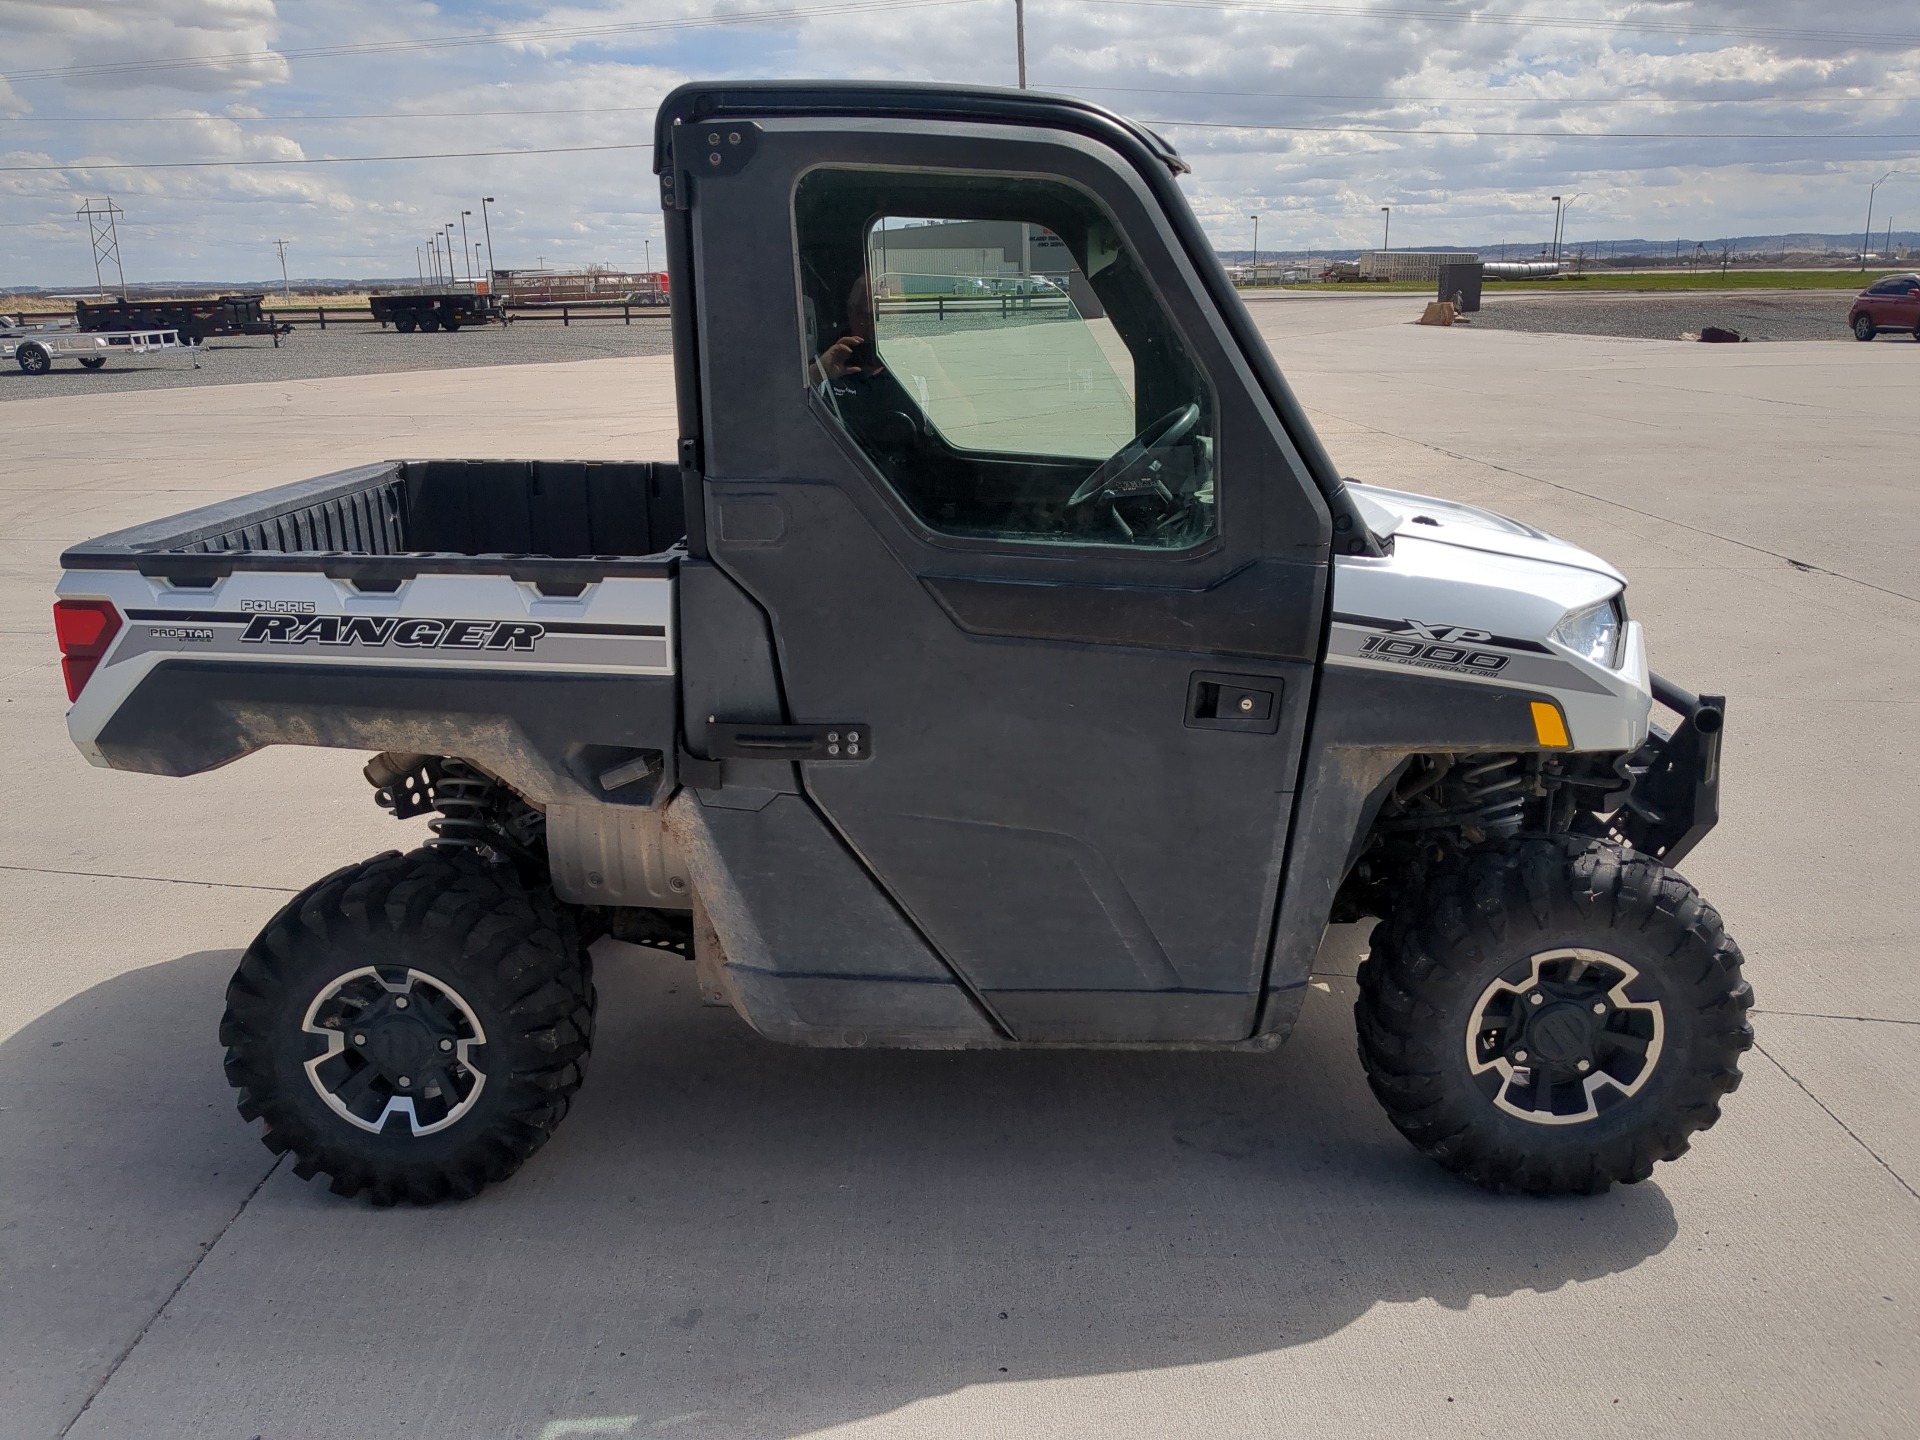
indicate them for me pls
(1596, 633)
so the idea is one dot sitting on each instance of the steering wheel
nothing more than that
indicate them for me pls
(1116, 475)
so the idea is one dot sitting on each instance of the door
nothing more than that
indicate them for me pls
(1017, 512)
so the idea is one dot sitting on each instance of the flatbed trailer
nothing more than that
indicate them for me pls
(196, 320)
(436, 309)
(35, 348)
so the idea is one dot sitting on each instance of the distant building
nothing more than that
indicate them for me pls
(1411, 264)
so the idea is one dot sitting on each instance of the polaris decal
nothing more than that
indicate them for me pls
(415, 634)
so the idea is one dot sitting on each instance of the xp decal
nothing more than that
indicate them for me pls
(1452, 650)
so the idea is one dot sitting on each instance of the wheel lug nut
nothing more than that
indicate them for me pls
(1583, 1065)
(1536, 998)
(1599, 1007)
(359, 1039)
(400, 1002)
(405, 1081)
(1521, 1056)
(446, 1044)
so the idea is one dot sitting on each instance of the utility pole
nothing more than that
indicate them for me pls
(1020, 37)
(286, 290)
(100, 216)
(486, 200)
(1556, 229)
(466, 252)
(1386, 231)
(1255, 275)
(419, 267)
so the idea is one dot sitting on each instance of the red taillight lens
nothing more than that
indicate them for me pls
(84, 628)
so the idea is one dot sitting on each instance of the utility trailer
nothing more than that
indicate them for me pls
(34, 348)
(1011, 680)
(196, 320)
(436, 309)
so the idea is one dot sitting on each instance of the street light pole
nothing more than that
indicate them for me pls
(419, 267)
(1256, 248)
(486, 200)
(1556, 230)
(1020, 38)
(1866, 237)
(466, 251)
(1386, 232)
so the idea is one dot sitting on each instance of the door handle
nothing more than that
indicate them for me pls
(1249, 703)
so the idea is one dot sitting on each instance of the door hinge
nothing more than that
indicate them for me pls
(728, 740)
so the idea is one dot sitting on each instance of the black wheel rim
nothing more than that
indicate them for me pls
(1563, 1036)
(395, 1043)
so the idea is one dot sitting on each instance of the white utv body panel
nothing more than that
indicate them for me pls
(621, 625)
(1475, 596)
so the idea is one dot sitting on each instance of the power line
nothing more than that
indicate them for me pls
(1565, 101)
(1535, 134)
(1562, 101)
(1857, 39)
(318, 160)
(491, 37)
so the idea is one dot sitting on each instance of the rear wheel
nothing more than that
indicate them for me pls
(414, 1026)
(33, 359)
(92, 362)
(429, 323)
(404, 324)
(1864, 328)
(1552, 1015)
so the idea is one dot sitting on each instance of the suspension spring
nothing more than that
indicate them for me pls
(1492, 794)
(466, 800)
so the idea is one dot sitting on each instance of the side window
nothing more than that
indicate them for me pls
(996, 352)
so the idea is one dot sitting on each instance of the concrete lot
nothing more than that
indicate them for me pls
(733, 1239)
(311, 353)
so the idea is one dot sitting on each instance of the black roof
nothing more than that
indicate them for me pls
(703, 100)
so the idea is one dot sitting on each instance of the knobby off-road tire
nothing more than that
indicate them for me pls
(1552, 1015)
(444, 1007)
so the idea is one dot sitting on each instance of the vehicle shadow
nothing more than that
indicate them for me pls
(744, 1239)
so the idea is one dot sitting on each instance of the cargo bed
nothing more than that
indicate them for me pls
(557, 521)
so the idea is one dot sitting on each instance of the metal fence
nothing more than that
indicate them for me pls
(326, 317)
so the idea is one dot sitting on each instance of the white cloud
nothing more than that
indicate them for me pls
(1577, 102)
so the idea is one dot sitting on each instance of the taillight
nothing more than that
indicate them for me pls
(85, 628)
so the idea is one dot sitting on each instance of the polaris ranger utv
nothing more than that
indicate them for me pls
(995, 665)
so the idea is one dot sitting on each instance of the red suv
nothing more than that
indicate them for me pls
(1892, 303)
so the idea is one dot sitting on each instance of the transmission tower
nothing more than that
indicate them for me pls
(100, 216)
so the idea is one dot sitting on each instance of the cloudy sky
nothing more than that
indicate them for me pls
(1671, 118)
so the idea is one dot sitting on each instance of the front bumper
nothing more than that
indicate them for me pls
(1674, 799)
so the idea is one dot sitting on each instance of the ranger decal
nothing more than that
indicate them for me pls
(417, 634)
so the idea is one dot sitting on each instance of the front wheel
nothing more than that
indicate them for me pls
(1552, 1015)
(33, 359)
(414, 1026)
(1864, 328)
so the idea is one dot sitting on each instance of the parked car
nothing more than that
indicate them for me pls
(1890, 303)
